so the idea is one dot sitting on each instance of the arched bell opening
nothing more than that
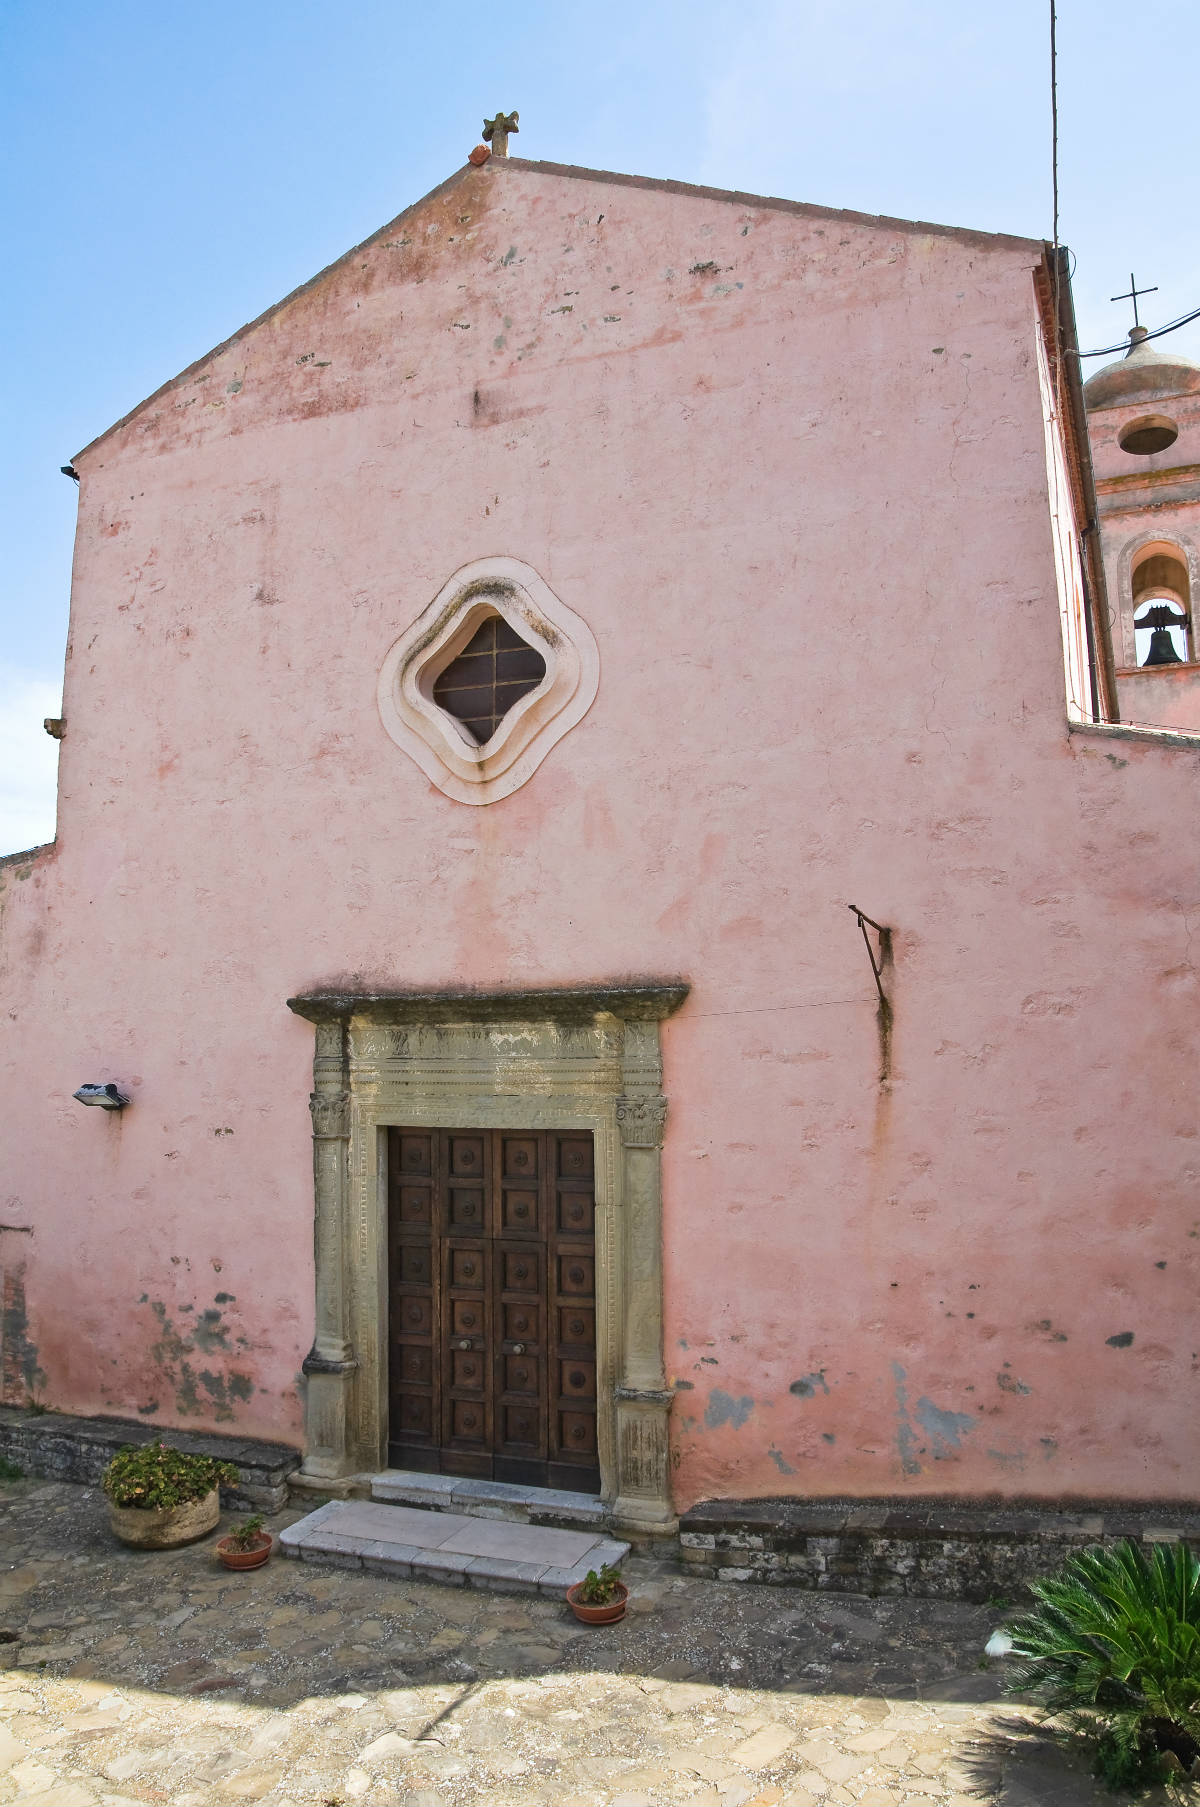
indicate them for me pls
(1161, 607)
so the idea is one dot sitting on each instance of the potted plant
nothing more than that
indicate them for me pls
(599, 1599)
(246, 1548)
(160, 1498)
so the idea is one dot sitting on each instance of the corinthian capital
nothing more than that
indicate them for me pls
(641, 1121)
(330, 1113)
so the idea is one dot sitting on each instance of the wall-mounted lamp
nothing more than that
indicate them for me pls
(106, 1096)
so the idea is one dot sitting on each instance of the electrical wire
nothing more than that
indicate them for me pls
(1107, 350)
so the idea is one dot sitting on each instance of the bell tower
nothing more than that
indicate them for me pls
(1144, 424)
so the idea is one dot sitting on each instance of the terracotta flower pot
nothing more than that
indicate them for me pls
(236, 1556)
(598, 1615)
(166, 1527)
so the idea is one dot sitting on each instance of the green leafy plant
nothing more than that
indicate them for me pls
(600, 1589)
(154, 1476)
(1112, 1646)
(9, 1471)
(248, 1533)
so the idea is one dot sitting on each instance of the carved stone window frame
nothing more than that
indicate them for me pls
(443, 748)
(588, 1059)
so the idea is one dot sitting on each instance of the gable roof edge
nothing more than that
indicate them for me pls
(806, 209)
(275, 307)
(662, 184)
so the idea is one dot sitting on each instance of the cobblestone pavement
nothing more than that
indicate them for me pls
(163, 1678)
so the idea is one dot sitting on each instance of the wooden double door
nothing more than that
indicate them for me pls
(492, 1305)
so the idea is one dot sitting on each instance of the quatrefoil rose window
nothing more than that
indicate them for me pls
(487, 680)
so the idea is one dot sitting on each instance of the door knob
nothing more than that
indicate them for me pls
(518, 1348)
(465, 1343)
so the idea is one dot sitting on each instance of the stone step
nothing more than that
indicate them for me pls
(414, 1543)
(488, 1499)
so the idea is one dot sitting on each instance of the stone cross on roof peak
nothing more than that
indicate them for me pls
(496, 131)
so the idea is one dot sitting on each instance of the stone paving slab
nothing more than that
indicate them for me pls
(449, 1547)
(158, 1679)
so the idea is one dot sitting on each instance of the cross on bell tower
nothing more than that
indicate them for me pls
(1131, 294)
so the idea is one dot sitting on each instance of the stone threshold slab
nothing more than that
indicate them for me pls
(488, 1499)
(413, 1543)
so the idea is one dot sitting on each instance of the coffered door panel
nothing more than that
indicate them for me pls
(573, 1452)
(520, 1279)
(467, 1339)
(492, 1308)
(414, 1352)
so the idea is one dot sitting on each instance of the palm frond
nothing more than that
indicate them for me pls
(1113, 1640)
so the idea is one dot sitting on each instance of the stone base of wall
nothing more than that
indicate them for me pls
(935, 1549)
(55, 1447)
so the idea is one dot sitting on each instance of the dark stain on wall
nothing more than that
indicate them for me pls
(806, 1386)
(722, 1408)
(20, 1375)
(1008, 1383)
(197, 1391)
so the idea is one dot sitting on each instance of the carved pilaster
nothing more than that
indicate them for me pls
(641, 1059)
(642, 1400)
(643, 1501)
(330, 1364)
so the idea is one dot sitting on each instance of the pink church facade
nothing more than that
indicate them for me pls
(765, 489)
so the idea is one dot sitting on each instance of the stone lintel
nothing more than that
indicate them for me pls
(649, 1001)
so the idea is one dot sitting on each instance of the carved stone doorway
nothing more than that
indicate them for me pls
(586, 1060)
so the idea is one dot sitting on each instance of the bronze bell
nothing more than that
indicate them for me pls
(1162, 618)
(1162, 649)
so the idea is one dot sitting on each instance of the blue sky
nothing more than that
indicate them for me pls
(170, 171)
